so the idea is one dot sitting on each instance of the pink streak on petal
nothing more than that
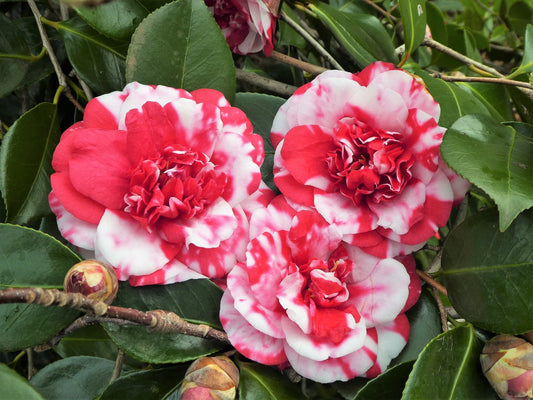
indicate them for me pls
(335, 369)
(248, 340)
(174, 271)
(211, 96)
(294, 190)
(266, 319)
(415, 285)
(289, 294)
(128, 247)
(258, 200)
(372, 71)
(402, 212)
(74, 202)
(459, 185)
(277, 216)
(423, 137)
(216, 224)
(102, 112)
(79, 233)
(341, 212)
(234, 156)
(392, 338)
(380, 297)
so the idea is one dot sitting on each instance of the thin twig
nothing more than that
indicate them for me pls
(31, 368)
(312, 41)
(161, 321)
(385, 13)
(460, 57)
(485, 79)
(265, 83)
(442, 310)
(432, 282)
(308, 67)
(117, 369)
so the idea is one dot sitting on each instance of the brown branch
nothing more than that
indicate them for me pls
(308, 67)
(432, 282)
(156, 321)
(265, 83)
(485, 79)
(442, 311)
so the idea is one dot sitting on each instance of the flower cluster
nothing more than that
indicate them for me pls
(165, 186)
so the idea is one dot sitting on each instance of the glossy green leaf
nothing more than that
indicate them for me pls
(31, 258)
(388, 385)
(424, 321)
(413, 13)
(197, 301)
(15, 387)
(146, 385)
(261, 110)
(98, 60)
(495, 99)
(362, 36)
(520, 15)
(117, 19)
(488, 272)
(168, 48)
(495, 158)
(261, 382)
(527, 60)
(82, 378)
(12, 47)
(26, 163)
(449, 368)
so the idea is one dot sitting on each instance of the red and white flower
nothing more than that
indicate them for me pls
(363, 150)
(153, 181)
(247, 25)
(307, 298)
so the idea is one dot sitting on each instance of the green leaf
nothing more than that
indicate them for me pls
(389, 385)
(413, 13)
(12, 46)
(146, 385)
(261, 110)
(15, 387)
(495, 158)
(527, 60)
(454, 101)
(31, 258)
(82, 378)
(98, 60)
(117, 19)
(265, 383)
(495, 99)
(197, 301)
(26, 163)
(362, 36)
(169, 48)
(449, 368)
(424, 320)
(488, 273)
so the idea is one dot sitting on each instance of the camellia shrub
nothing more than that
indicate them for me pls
(254, 199)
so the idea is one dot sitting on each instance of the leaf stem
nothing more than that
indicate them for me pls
(59, 90)
(30, 58)
(119, 362)
(156, 320)
(265, 83)
(305, 66)
(442, 311)
(312, 41)
(432, 282)
(485, 79)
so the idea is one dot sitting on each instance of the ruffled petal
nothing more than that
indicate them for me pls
(380, 297)
(335, 369)
(174, 271)
(129, 247)
(290, 187)
(246, 339)
(216, 224)
(265, 319)
(289, 295)
(79, 233)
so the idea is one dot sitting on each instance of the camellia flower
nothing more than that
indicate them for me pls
(247, 25)
(153, 181)
(363, 150)
(306, 298)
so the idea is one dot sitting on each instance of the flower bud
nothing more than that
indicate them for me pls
(507, 362)
(210, 378)
(93, 279)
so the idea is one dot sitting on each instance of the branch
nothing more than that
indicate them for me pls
(432, 282)
(265, 83)
(156, 320)
(308, 67)
(312, 41)
(485, 79)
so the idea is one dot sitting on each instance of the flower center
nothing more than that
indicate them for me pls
(369, 163)
(178, 183)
